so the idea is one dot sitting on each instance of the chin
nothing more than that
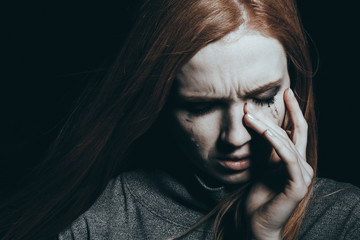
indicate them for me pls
(235, 178)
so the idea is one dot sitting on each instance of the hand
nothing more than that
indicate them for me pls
(268, 209)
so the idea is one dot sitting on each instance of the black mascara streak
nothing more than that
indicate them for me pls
(275, 115)
(276, 110)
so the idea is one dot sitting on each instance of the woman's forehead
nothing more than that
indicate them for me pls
(220, 68)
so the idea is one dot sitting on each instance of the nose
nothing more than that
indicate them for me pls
(234, 131)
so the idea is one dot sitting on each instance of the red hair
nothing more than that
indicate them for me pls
(92, 146)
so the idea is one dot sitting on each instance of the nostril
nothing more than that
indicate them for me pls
(234, 133)
(233, 137)
(225, 147)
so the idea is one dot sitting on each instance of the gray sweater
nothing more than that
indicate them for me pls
(156, 205)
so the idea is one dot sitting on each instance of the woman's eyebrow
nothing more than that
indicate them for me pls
(201, 98)
(249, 94)
(263, 88)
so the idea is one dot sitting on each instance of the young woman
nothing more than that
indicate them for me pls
(203, 128)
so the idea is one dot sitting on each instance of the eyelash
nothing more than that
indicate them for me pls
(262, 102)
(197, 109)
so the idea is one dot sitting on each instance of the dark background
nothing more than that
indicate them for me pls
(52, 50)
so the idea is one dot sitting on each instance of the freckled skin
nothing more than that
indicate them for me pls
(228, 70)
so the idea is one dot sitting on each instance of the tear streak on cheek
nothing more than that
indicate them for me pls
(192, 137)
(275, 113)
(187, 118)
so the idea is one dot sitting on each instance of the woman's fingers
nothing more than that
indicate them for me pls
(300, 131)
(251, 111)
(290, 148)
(300, 128)
(287, 154)
(308, 172)
(254, 121)
(299, 170)
(283, 149)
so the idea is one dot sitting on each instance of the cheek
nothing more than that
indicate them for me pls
(276, 111)
(202, 131)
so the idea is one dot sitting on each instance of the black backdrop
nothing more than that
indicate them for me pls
(51, 51)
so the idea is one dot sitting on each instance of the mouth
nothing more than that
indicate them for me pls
(235, 163)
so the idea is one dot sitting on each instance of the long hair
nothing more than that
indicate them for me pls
(93, 145)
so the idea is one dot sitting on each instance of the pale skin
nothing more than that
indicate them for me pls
(228, 92)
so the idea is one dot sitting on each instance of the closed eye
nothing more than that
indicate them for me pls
(266, 98)
(199, 108)
(266, 101)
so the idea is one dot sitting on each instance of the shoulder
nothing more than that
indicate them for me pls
(333, 211)
(109, 211)
(324, 186)
(136, 205)
(334, 193)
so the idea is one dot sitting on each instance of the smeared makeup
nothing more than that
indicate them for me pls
(209, 96)
(188, 120)
(277, 112)
(193, 137)
(274, 113)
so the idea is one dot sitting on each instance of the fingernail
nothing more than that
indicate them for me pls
(251, 117)
(291, 92)
(269, 133)
(250, 106)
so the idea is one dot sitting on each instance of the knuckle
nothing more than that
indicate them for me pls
(309, 169)
(307, 180)
(284, 133)
(306, 125)
(303, 125)
(311, 172)
(292, 160)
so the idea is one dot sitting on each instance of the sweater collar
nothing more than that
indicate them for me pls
(180, 198)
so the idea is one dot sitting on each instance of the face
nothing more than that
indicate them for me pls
(210, 93)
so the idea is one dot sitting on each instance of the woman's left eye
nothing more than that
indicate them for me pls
(265, 101)
(199, 108)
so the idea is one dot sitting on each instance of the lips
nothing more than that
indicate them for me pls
(234, 157)
(235, 162)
